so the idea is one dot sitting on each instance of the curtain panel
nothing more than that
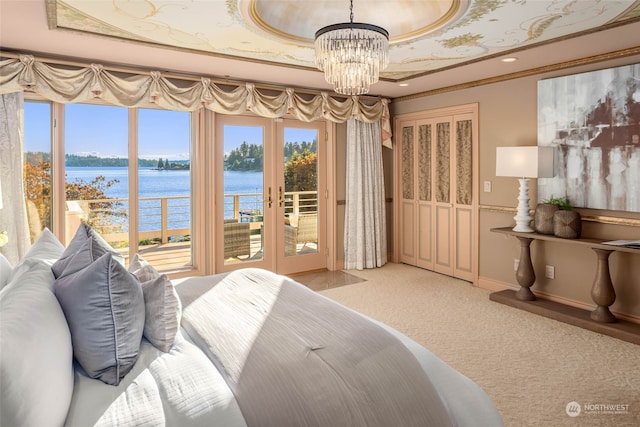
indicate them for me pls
(66, 84)
(13, 214)
(365, 237)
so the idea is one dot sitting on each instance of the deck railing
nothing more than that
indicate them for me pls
(162, 218)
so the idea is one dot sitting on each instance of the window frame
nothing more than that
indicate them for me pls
(197, 177)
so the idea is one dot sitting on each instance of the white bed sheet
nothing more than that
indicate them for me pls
(179, 388)
(184, 388)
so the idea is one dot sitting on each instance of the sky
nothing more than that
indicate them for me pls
(102, 131)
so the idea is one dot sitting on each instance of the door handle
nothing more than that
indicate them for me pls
(280, 198)
(269, 200)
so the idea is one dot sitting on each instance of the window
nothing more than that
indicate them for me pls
(164, 188)
(96, 171)
(142, 206)
(37, 166)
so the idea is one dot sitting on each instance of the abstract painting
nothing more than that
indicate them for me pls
(593, 121)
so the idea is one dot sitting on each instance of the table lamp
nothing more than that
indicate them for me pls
(524, 163)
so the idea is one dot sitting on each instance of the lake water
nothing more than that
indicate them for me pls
(158, 183)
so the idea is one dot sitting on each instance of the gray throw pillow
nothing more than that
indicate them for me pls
(82, 258)
(137, 262)
(104, 307)
(162, 312)
(98, 248)
(142, 269)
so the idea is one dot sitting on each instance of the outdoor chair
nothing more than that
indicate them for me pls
(237, 239)
(307, 228)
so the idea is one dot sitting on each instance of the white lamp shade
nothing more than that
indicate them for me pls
(524, 162)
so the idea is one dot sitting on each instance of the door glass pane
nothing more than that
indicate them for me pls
(243, 182)
(407, 162)
(164, 188)
(96, 160)
(464, 163)
(300, 197)
(424, 162)
(443, 179)
(37, 166)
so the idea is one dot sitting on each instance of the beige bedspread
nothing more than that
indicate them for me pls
(295, 358)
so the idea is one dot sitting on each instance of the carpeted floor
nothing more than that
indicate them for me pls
(532, 367)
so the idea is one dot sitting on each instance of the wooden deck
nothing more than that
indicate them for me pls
(169, 256)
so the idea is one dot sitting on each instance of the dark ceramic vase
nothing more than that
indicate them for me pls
(567, 224)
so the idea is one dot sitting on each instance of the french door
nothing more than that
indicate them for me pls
(270, 194)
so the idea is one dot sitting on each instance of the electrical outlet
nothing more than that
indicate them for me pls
(516, 263)
(550, 272)
(487, 186)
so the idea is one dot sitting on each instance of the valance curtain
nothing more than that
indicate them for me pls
(13, 215)
(365, 226)
(77, 84)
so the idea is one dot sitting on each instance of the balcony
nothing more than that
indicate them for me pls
(164, 224)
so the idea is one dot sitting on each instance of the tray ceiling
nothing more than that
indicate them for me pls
(426, 36)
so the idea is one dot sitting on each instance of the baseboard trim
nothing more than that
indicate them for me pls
(493, 285)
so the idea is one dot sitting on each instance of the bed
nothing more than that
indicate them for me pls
(252, 348)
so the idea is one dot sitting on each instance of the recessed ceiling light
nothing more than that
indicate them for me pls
(403, 84)
(509, 59)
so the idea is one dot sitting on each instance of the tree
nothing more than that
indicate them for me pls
(166, 164)
(301, 172)
(37, 187)
(160, 164)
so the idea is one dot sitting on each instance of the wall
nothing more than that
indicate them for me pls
(508, 117)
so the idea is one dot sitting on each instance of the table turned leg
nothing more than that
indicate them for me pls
(525, 274)
(602, 291)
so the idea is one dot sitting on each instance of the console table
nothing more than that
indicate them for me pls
(602, 290)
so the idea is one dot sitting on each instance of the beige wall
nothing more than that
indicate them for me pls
(508, 116)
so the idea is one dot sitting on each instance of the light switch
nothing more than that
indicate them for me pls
(487, 186)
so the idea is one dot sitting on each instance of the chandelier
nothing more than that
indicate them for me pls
(351, 54)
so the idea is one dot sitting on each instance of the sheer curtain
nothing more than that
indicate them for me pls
(365, 220)
(13, 214)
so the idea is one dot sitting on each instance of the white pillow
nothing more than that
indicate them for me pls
(5, 271)
(36, 358)
(46, 248)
